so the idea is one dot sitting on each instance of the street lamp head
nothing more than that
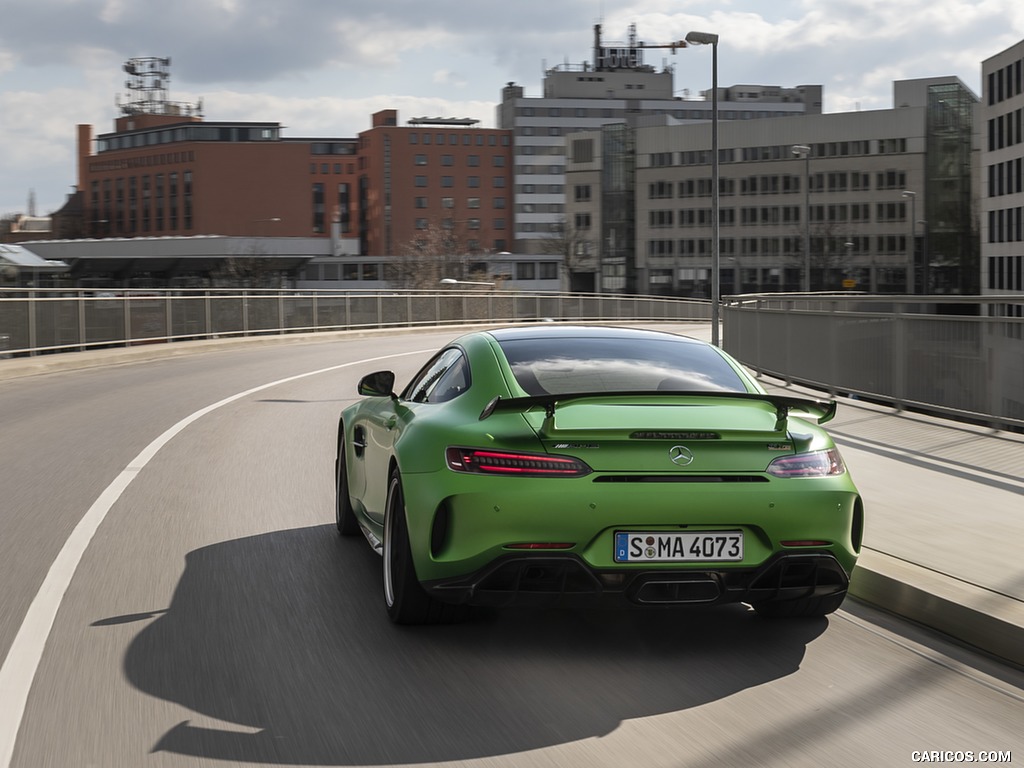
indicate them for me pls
(702, 38)
(908, 193)
(801, 150)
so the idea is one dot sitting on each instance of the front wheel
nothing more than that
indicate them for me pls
(406, 600)
(804, 607)
(344, 515)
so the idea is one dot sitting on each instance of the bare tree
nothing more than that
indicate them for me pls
(575, 245)
(251, 267)
(830, 258)
(441, 251)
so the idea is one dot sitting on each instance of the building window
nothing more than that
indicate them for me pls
(526, 270)
(318, 207)
(583, 150)
(172, 190)
(186, 199)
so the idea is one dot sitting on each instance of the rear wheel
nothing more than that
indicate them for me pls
(805, 607)
(406, 600)
(344, 515)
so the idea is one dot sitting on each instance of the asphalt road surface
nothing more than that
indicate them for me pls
(215, 618)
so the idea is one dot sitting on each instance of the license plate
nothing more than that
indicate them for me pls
(677, 546)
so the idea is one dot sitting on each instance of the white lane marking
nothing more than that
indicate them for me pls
(19, 668)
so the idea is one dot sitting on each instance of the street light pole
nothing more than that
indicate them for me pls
(926, 277)
(913, 239)
(709, 38)
(804, 151)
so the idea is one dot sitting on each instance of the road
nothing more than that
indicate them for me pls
(216, 618)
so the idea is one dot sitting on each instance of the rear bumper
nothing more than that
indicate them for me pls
(541, 580)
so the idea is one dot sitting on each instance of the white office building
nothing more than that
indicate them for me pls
(1002, 178)
(876, 201)
(615, 86)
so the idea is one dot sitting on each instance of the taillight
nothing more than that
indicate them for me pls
(816, 464)
(488, 462)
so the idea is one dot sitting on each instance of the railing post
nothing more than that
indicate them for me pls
(127, 306)
(789, 340)
(30, 307)
(833, 357)
(82, 336)
(899, 356)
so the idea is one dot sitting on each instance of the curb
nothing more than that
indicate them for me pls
(987, 620)
(18, 367)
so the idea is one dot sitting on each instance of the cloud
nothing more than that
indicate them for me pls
(321, 67)
(447, 77)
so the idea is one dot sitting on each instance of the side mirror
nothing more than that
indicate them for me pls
(378, 384)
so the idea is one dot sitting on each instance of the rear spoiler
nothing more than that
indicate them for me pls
(822, 410)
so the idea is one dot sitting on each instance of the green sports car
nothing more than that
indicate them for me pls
(549, 463)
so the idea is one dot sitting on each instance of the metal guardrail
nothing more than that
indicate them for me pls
(960, 357)
(45, 322)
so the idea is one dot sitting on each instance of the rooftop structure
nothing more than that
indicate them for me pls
(617, 86)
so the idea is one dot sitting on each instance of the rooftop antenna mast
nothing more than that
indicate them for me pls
(148, 82)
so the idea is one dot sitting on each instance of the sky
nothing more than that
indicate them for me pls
(321, 68)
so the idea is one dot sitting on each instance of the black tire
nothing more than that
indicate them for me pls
(344, 515)
(404, 597)
(805, 607)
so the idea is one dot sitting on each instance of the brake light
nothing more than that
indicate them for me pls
(816, 464)
(488, 462)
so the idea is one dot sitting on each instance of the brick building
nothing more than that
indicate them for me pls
(165, 171)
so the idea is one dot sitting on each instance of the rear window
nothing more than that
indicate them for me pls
(559, 366)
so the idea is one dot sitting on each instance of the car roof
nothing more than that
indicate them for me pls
(559, 331)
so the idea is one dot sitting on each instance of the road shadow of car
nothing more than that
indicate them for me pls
(285, 635)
